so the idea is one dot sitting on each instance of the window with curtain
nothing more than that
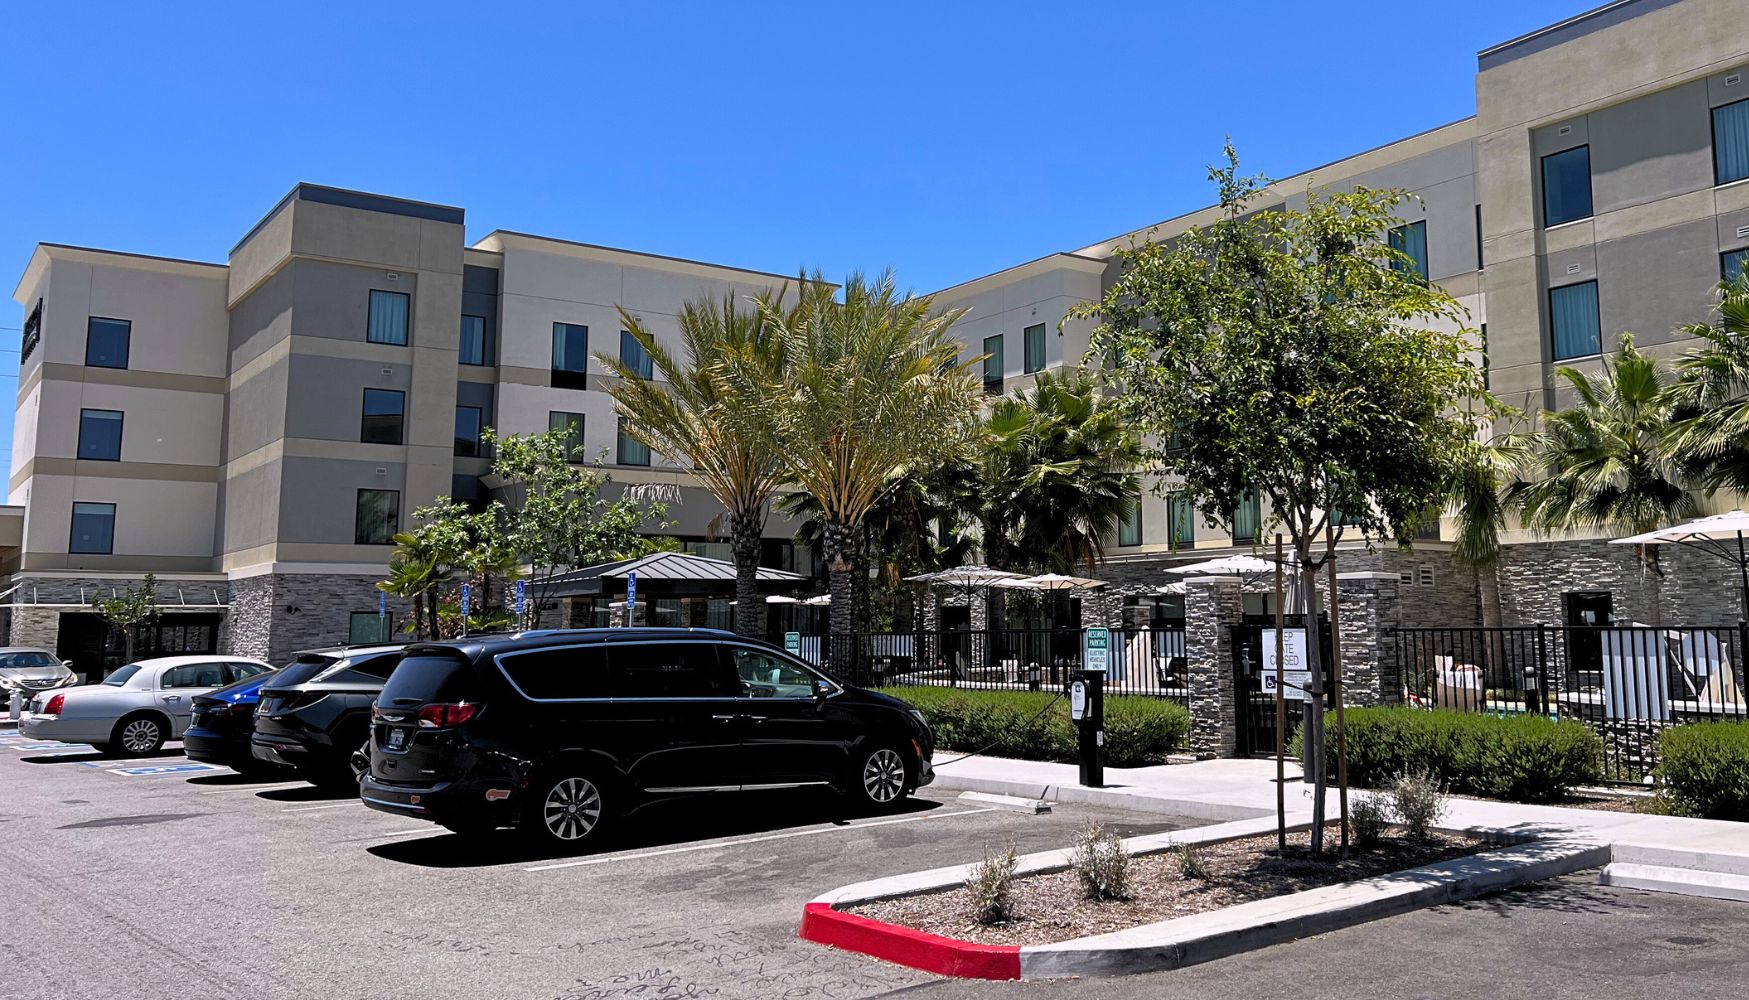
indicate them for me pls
(377, 518)
(467, 431)
(93, 529)
(384, 413)
(572, 423)
(633, 355)
(1731, 263)
(1567, 186)
(473, 343)
(570, 356)
(388, 317)
(100, 435)
(1731, 142)
(993, 365)
(1129, 530)
(1181, 521)
(1574, 321)
(631, 450)
(1247, 519)
(1411, 240)
(1035, 347)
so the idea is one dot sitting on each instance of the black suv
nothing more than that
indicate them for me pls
(560, 732)
(314, 715)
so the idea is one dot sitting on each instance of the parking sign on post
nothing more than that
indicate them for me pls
(632, 598)
(1097, 654)
(792, 643)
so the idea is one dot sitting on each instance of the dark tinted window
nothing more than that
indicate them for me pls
(302, 669)
(240, 670)
(195, 675)
(427, 678)
(379, 667)
(27, 659)
(566, 672)
(1567, 186)
(667, 670)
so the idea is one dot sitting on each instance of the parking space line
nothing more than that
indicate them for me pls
(252, 788)
(326, 805)
(605, 858)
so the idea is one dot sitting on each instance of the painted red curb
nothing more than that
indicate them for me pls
(943, 956)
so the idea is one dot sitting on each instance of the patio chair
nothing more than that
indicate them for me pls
(1458, 685)
(1706, 669)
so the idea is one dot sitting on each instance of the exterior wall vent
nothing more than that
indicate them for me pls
(1743, 232)
(1406, 578)
(1425, 575)
(1733, 79)
(1573, 268)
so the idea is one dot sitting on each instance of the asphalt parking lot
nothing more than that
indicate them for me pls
(149, 878)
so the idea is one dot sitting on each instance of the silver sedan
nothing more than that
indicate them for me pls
(25, 670)
(137, 708)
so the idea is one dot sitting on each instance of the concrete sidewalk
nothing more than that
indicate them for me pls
(1228, 789)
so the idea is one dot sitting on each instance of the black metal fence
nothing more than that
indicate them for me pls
(1142, 661)
(1628, 683)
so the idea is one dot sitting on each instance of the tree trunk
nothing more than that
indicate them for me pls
(1313, 707)
(837, 539)
(746, 534)
(1488, 592)
(1654, 581)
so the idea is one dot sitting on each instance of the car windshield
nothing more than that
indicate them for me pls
(121, 676)
(27, 660)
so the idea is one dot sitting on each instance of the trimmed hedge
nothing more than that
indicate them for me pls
(1704, 768)
(1138, 730)
(1524, 758)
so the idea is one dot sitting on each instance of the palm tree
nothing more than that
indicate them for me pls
(689, 412)
(1479, 491)
(1058, 476)
(1607, 462)
(860, 389)
(1711, 394)
(415, 570)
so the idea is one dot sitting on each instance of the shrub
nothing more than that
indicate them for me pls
(1102, 863)
(1138, 730)
(989, 883)
(1368, 816)
(1527, 758)
(1418, 799)
(1704, 768)
(1191, 863)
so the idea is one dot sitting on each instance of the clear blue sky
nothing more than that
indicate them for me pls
(945, 139)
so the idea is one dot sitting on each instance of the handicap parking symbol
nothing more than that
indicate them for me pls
(145, 771)
(49, 745)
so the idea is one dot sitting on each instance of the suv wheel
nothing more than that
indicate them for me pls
(567, 809)
(879, 780)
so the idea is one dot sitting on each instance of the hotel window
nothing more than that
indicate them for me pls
(1574, 322)
(633, 355)
(1411, 240)
(377, 518)
(1731, 142)
(384, 412)
(93, 529)
(1181, 521)
(1567, 186)
(993, 365)
(100, 435)
(467, 431)
(1731, 263)
(1035, 347)
(106, 342)
(1247, 519)
(570, 356)
(388, 317)
(631, 450)
(473, 342)
(1129, 530)
(572, 424)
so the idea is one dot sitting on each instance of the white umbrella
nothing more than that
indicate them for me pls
(1719, 535)
(1227, 566)
(965, 576)
(781, 599)
(1019, 583)
(1057, 581)
(817, 601)
(1175, 587)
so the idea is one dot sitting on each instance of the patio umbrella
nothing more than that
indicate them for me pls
(1250, 570)
(782, 599)
(1718, 535)
(968, 577)
(820, 600)
(1057, 581)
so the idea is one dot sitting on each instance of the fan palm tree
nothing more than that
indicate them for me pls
(1607, 461)
(1711, 394)
(1478, 494)
(687, 412)
(860, 389)
(415, 571)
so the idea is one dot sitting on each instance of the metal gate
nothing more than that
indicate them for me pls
(1254, 716)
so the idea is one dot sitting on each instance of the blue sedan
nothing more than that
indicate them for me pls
(224, 723)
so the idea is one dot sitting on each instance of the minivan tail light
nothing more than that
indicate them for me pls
(444, 715)
(54, 705)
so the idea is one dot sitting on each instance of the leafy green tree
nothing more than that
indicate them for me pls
(1294, 354)
(1608, 462)
(868, 386)
(687, 413)
(1710, 397)
(129, 610)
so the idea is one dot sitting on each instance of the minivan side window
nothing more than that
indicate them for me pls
(765, 676)
(667, 670)
(564, 672)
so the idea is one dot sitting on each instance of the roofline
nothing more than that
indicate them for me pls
(44, 248)
(1016, 267)
(349, 198)
(1595, 19)
(641, 253)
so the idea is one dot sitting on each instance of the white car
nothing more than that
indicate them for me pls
(137, 708)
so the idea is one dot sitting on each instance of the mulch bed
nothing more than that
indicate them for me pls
(1053, 907)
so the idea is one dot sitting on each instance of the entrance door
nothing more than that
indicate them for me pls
(1587, 611)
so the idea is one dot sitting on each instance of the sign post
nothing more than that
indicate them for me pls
(521, 601)
(467, 605)
(631, 598)
(1087, 704)
(383, 632)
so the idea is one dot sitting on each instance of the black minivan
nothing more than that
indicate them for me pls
(560, 732)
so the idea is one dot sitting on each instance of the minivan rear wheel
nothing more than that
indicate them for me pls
(567, 809)
(879, 780)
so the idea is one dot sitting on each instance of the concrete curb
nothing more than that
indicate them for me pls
(1182, 941)
(1115, 797)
